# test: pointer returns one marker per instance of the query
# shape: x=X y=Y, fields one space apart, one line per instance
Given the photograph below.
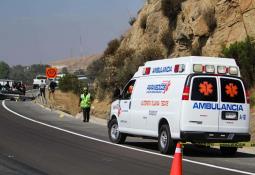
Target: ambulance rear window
x=204 y=89
x=232 y=91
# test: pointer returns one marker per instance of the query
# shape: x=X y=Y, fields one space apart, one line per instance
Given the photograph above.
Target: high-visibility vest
x=85 y=101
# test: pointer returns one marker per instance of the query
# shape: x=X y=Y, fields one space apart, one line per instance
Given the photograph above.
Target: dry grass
x=66 y=102
x=252 y=119
x=252 y=126
x=101 y=109
x=69 y=103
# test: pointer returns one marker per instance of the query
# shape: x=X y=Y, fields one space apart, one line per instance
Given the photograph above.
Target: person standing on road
x=52 y=88
x=42 y=88
x=85 y=103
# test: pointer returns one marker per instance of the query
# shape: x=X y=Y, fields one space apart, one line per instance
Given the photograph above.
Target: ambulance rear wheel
x=228 y=151
x=114 y=134
x=165 y=143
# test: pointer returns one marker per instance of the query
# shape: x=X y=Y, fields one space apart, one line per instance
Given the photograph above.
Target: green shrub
x=131 y=20
x=94 y=69
x=171 y=8
x=112 y=47
x=167 y=40
x=244 y=54
x=209 y=16
x=143 y=22
x=252 y=97
x=70 y=82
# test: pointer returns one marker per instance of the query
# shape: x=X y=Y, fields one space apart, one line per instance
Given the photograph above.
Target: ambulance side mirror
x=116 y=93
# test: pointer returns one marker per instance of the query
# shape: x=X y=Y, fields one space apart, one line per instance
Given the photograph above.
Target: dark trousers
x=42 y=92
x=86 y=116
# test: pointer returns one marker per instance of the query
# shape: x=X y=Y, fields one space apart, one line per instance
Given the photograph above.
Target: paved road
x=27 y=147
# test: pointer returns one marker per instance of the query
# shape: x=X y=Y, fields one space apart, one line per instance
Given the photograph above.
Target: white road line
x=123 y=146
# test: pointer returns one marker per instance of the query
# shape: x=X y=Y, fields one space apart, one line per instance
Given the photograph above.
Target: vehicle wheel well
x=112 y=118
x=162 y=122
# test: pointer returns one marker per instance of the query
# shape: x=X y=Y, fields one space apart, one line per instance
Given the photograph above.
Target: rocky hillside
x=191 y=27
x=171 y=28
x=74 y=64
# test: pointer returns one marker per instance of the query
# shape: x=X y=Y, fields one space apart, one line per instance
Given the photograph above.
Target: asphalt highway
x=55 y=144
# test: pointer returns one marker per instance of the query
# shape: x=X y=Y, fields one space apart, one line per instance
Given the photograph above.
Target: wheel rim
x=163 y=139
x=115 y=131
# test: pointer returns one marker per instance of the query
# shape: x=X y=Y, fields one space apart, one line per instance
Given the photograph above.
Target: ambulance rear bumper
x=192 y=136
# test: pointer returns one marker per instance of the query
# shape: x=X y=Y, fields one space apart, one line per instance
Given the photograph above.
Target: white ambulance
x=190 y=99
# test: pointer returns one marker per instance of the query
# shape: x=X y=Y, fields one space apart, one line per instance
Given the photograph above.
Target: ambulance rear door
x=234 y=116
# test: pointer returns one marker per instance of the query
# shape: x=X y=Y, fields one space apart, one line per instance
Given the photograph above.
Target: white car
x=189 y=99
x=39 y=79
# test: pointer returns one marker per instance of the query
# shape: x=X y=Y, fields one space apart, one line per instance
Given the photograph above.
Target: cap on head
x=85 y=89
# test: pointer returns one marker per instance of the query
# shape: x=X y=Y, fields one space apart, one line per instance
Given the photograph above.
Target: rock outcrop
x=195 y=27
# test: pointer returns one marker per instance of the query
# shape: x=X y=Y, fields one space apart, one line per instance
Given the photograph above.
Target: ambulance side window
x=127 y=92
x=204 y=89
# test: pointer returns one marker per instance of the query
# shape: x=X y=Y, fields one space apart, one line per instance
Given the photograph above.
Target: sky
x=40 y=31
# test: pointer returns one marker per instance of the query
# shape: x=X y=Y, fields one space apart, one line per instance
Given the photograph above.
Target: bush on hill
x=244 y=54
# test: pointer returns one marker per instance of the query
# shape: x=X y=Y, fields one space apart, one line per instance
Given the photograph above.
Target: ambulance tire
x=228 y=151
x=165 y=143
x=114 y=134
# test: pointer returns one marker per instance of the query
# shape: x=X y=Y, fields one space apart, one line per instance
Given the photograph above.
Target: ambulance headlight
x=233 y=70
x=198 y=68
x=222 y=69
x=209 y=69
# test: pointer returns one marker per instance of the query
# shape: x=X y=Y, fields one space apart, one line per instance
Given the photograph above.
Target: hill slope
x=191 y=27
x=73 y=64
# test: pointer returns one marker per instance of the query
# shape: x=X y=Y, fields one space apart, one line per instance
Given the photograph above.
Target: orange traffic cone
x=176 y=168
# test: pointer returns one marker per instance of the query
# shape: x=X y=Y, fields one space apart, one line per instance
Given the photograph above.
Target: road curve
x=38 y=149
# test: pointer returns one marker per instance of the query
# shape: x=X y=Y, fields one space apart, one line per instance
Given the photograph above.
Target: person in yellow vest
x=85 y=103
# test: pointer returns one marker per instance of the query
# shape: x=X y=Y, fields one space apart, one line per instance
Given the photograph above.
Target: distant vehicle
x=4 y=81
x=189 y=99
x=38 y=80
x=11 y=91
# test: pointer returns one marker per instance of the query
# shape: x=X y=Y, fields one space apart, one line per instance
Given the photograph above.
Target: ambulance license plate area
x=229 y=115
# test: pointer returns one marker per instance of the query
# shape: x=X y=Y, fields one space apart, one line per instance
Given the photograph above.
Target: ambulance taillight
x=185 y=94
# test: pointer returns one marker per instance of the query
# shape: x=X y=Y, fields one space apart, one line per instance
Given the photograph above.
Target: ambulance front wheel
x=228 y=151
x=114 y=134
x=165 y=143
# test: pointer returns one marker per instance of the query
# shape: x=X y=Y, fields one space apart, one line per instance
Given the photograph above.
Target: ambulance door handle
x=129 y=104
x=144 y=117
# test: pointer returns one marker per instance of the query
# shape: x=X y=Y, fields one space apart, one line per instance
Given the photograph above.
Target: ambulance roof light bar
x=222 y=70
x=233 y=70
x=146 y=70
x=179 y=68
x=197 y=68
x=209 y=69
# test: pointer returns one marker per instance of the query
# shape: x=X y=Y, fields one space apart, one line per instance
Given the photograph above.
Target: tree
x=70 y=82
x=4 y=70
x=65 y=70
x=244 y=54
